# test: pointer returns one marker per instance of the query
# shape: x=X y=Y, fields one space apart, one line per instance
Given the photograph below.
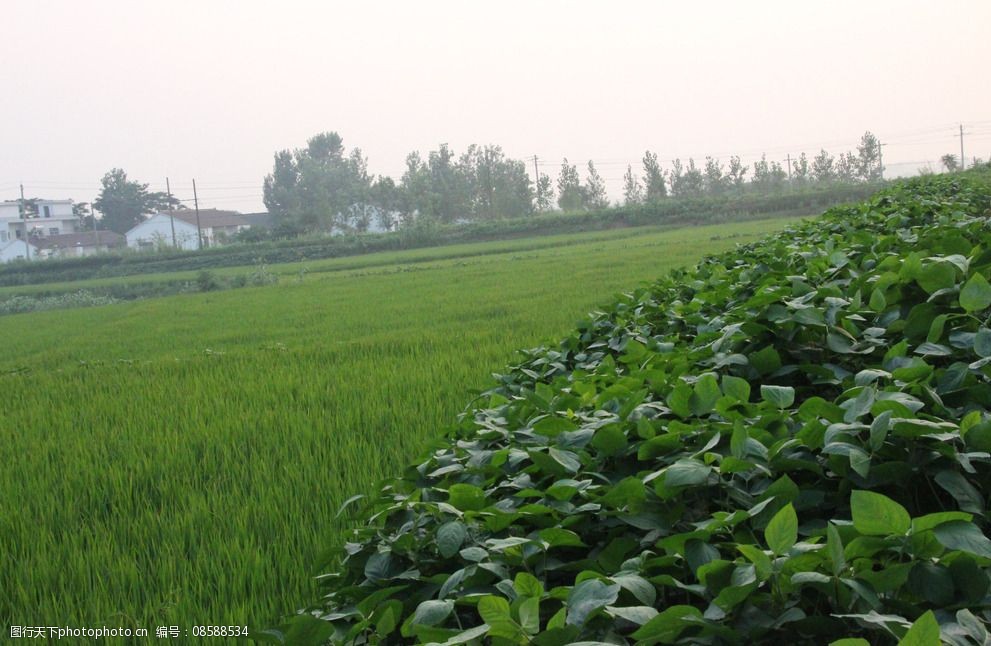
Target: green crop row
x=790 y=443
x=181 y=460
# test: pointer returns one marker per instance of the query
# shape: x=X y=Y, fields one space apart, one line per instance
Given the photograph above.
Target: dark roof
x=84 y=239
x=210 y=217
x=262 y=219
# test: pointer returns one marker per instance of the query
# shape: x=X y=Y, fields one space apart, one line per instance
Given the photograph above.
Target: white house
x=214 y=225
x=72 y=245
x=17 y=250
x=54 y=217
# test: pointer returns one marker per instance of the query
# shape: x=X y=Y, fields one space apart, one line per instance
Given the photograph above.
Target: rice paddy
x=181 y=460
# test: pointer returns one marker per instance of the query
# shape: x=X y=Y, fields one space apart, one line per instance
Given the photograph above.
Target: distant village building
x=216 y=227
x=17 y=250
x=74 y=245
x=54 y=217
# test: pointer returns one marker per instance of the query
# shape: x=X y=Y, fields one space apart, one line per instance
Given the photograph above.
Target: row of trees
x=326 y=187
x=690 y=180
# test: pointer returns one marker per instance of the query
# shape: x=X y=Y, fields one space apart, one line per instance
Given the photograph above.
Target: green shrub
x=207 y=281
x=788 y=444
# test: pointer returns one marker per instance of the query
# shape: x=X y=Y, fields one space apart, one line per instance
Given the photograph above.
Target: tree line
x=325 y=187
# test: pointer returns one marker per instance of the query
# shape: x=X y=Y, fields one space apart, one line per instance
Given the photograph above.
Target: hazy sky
x=210 y=89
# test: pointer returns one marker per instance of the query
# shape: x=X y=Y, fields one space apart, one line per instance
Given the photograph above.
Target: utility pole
x=963 y=162
x=536 y=172
x=789 y=170
x=168 y=191
x=199 y=229
x=24 y=219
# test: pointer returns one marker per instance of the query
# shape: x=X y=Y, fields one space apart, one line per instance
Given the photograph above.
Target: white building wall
x=17 y=250
x=156 y=232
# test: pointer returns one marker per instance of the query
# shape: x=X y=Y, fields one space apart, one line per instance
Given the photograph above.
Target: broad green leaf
x=388 y=616
x=877 y=301
x=450 y=537
x=879 y=430
x=834 y=547
x=566 y=459
x=966 y=495
x=765 y=361
x=964 y=536
x=704 y=395
x=629 y=492
x=587 y=597
x=527 y=585
x=930 y=521
x=557 y=537
x=924 y=632
x=975 y=295
x=553 y=425
x=495 y=612
x=761 y=561
x=875 y=514
x=610 y=439
x=936 y=276
x=668 y=624
x=433 y=612
x=466 y=497
x=686 y=472
x=679 y=400
x=639 y=615
x=737 y=388
x=982 y=342
x=778 y=396
x=781 y=533
x=638 y=586
x=529 y=612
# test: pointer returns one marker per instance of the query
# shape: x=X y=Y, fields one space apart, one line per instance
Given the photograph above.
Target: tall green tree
x=124 y=203
x=824 y=167
x=497 y=186
x=692 y=182
x=736 y=173
x=543 y=200
x=632 y=191
x=570 y=192
x=595 y=189
x=715 y=181
x=869 y=158
x=676 y=178
x=321 y=186
x=950 y=162
x=655 y=188
x=768 y=176
x=847 y=167
x=800 y=170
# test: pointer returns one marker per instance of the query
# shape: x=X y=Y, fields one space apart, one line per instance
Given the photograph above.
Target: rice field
x=181 y=460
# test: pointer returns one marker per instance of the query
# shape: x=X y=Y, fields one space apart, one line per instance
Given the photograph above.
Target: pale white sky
x=211 y=89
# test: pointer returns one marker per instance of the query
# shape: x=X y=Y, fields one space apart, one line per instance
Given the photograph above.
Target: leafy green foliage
x=633 y=473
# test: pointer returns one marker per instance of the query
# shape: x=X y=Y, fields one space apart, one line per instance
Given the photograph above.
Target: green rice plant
x=181 y=460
